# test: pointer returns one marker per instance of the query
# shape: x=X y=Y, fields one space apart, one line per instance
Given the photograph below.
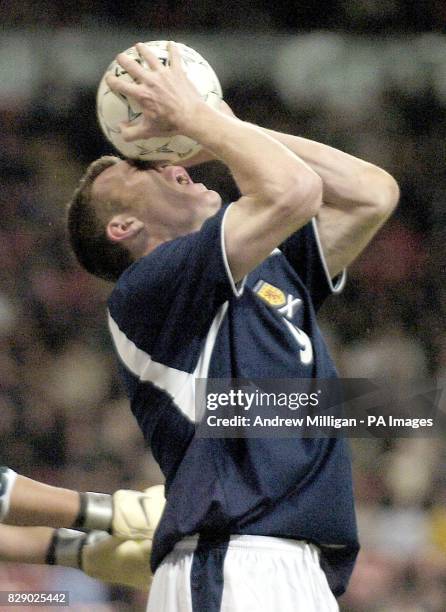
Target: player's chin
x=204 y=198
x=212 y=198
x=213 y=203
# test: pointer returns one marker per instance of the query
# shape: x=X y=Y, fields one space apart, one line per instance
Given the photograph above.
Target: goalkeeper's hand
x=136 y=515
x=102 y=556
x=125 y=514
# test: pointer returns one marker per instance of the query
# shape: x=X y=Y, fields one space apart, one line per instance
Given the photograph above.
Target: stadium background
x=367 y=77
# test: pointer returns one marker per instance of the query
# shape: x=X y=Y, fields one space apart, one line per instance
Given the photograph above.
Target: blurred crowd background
x=349 y=15
x=63 y=415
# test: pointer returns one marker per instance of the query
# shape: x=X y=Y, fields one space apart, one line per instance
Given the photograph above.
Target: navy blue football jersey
x=176 y=315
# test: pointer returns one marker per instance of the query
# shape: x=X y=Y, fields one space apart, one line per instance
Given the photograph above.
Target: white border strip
x=239 y=287
x=340 y=284
x=180 y=385
x=7 y=480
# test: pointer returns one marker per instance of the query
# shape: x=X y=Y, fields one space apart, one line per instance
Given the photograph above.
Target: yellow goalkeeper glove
x=124 y=556
x=136 y=515
x=104 y=557
x=125 y=514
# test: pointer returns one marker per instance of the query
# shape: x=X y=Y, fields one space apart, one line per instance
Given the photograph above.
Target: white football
x=113 y=108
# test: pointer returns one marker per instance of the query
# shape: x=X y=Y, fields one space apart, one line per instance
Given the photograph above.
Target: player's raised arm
x=357 y=196
x=280 y=193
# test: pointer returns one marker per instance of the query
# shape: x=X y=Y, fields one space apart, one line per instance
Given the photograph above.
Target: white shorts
x=250 y=574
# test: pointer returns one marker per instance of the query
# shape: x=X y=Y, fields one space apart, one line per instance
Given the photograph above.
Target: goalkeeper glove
x=136 y=515
x=125 y=514
x=102 y=556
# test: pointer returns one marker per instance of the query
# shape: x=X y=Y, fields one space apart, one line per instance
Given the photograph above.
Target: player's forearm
x=27 y=502
x=24 y=544
x=126 y=514
x=35 y=503
x=261 y=165
x=347 y=180
x=203 y=156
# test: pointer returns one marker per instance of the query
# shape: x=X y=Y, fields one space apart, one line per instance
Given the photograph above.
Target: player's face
x=162 y=196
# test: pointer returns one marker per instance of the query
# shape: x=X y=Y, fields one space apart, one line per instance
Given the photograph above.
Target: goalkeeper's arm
x=24 y=501
x=126 y=514
x=98 y=554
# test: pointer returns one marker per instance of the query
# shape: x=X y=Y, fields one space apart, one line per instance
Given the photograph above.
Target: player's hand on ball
x=167 y=97
x=137 y=514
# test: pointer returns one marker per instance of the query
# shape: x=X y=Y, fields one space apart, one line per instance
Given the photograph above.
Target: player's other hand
x=137 y=514
x=168 y=99
x=103 y=556
x=116 y=561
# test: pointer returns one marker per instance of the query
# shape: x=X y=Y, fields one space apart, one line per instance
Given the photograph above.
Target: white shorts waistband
x=255 y=542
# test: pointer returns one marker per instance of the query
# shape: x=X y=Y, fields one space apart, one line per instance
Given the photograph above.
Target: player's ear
x=123 y=227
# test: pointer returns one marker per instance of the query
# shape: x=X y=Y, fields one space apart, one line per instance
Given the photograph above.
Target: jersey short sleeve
x=304 y=251
x=165 y=302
